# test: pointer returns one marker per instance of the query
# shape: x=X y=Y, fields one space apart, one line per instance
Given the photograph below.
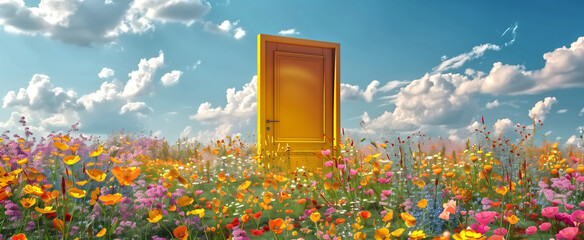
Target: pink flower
x=545 y=226
x=329 y=175
x=580 y=179
x=326 y=152
x=578 y=216
x=463 y=213
x=485 y=217
x=199 y=192
x=329 y=163
x=386 y=192
x=445 y=215
x=479 y=228
x=450 y=206
x=388 y=174
x=568 y=233
x=568 y=206
x=500 y=231
x=458 y=197
x=353 y=172
x=581 y=204
x=382 y=180
x=549 y=212
x=341 y=166
x=531 y=230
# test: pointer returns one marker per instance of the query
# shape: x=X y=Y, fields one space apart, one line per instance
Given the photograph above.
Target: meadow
x=133 y=186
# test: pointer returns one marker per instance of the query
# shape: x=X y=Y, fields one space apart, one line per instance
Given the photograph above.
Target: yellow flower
x=76 y=193
x=96 y=174
x=398 y=232
x=154 y=216
x=421 y=183
x=71 y=159
x=468 y=234
x=61 y=146
x=184 y=201
x=244 y=185
x=422 y=203
x=388 y=216
x=513 y=219
x=101 y=232
x=315 y=216
x=94 y=196
x=125 y=175
x=47 y=209
x=417 y=234
x=356 y=226
x=35 y=190
x=27 y=202
x=268 y=197
x=360 y=235
x=381 y=234
x=97 y=152
x=501 y=190
x=409 y=220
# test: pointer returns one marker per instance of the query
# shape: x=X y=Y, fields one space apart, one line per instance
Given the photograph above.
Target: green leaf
x=363 y=139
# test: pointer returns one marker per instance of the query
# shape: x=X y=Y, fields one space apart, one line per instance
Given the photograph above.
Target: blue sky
x=185 y=68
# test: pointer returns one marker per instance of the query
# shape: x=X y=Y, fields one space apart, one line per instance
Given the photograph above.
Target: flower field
x=132 y=186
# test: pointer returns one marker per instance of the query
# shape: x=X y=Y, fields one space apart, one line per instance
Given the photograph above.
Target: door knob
x=269 y=121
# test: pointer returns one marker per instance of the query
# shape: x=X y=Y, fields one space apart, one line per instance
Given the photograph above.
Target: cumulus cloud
x=186 y=132
x=290 y=31
x=492 y=104
x=49 y=108
x=503 y=127
x=573 y=140
x=542 y=108
x=171 y=78
x=430 y=100
x=226 y=27
x=459 y=60
x=140 y=82
x=564 y=68
x=106 y=73
x=581 y=112
x=353 y=92
x=241 y=107
x=75 y=21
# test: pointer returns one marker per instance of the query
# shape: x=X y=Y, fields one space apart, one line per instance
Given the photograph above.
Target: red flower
x=67 y=217
x=257 y=232
x=257 y=215
x=235 y=222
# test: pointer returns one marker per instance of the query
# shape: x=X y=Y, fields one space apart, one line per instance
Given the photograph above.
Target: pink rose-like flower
x=568 y=233
x=581 y=204
x=568 y=206
x=545 y=226
x=580 y=179
x=383 y=180
x=341 y=166
x=329 y=163
x=531 y=230
x=485 y=217
x=578 y=216
x=388 y=174
x=549 y=212
x=326 y=152
x=500 y=231
x=386 y=192
x=480 y=228
x=353 y=172
x=199 y=192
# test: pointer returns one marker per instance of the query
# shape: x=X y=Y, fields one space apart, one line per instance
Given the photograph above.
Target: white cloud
x=513 y=34
x=573 y=140
x=459 y=60
x=290 y=31
x=186 y=132
x=461 y=134
x=106 y=73
x=353 y=92
x=171 y=78
x=562 y=69
x=581 y=112
x=503 y=127
x=135 y=107
x=50 y=108
x=562 y=111
x=542 y=108
x=431 y=100
x=140 y=82
x=226 y=27
x=75 y=21
x=492 y=104
x=195 y=66
x=241 y=107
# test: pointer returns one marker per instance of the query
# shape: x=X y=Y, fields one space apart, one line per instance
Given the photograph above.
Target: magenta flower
x=383 y=180
x=326 y=152
x=500 y=231
x=329 y=163
x=329 y=175
x=199 y=192
x=566 y=218
x=386 y=192
x=568 y=233
x=485 y=217
x=578 y=216
x=549 y=212
x=531 y=230
x=341 y=166
x=545 y=226
x=353 y=172
x=482 y=229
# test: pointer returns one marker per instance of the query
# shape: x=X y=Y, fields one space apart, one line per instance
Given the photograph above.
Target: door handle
x=269 y=121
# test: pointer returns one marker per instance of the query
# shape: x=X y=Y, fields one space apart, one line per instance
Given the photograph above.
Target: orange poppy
x=111 y=199
x=21 y=236
x=101 y=232
x=277 y=225
x=96 y=174
x=181 y=232
x=365 y=214
x=125 y=175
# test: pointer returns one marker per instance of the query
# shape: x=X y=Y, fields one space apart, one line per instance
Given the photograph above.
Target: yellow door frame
x=261 y=89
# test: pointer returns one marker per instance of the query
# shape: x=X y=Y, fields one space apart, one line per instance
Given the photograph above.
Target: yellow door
x=298 y=101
